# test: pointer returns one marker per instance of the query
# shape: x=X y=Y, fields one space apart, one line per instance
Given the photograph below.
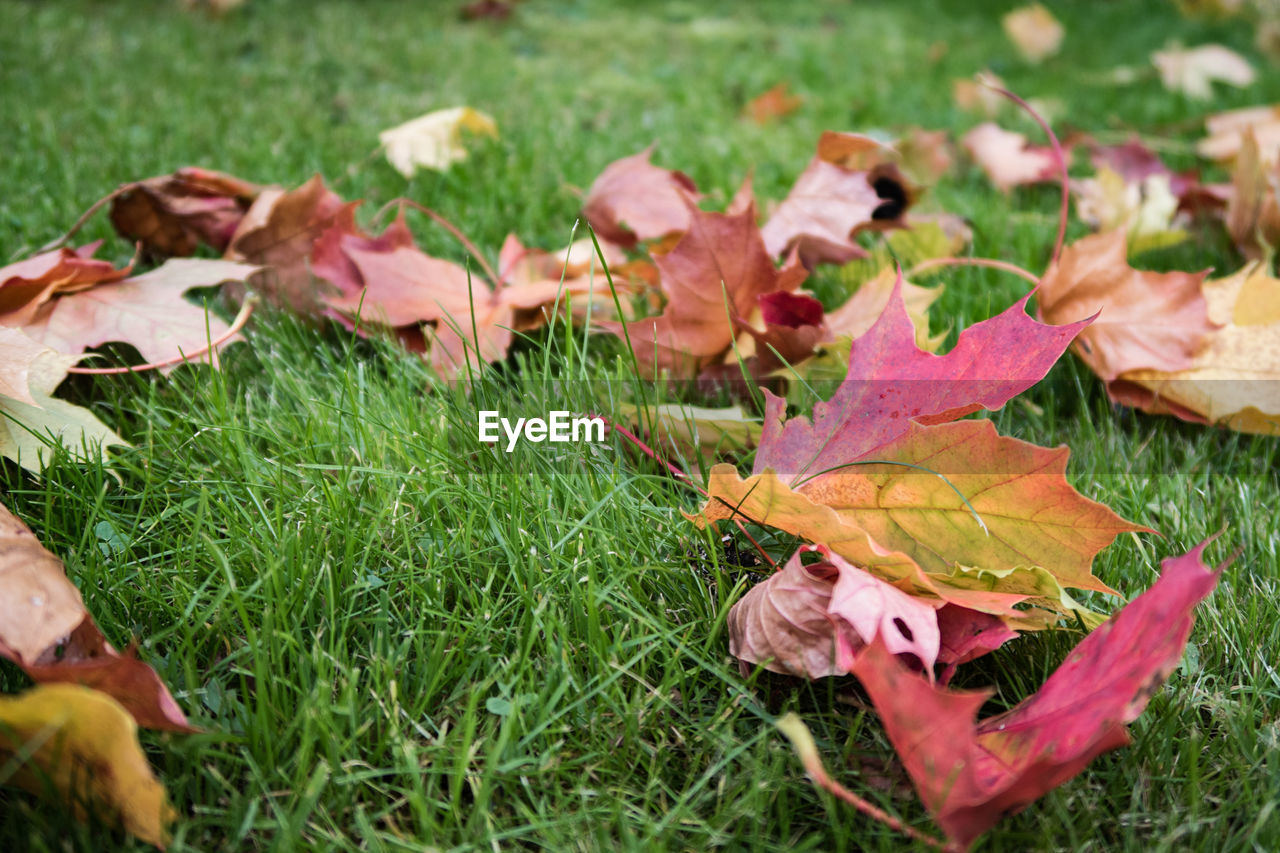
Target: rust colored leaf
x=833 y=200
x=173 y=214
x=27 y=285
x=772 y=105
x=45 y=629
x=277 y=233
x=1145 y=320
x=720 y=257
x=969 y=774
x=633 y=200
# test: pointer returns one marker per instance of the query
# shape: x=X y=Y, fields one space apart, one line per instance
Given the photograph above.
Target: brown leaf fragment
x=27 y=285
x=772 y=105
x=1192 y=71
x=1034 y=32
x=633 y=200
x=173 y=214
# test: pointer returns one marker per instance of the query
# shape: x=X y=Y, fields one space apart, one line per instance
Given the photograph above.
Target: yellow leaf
x=85 y=745
x=434 y=141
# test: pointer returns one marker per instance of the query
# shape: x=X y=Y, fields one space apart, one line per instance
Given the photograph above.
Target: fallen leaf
x=1227 y=129
x=1234 y=377
x=1253 y=210
x=694 y=431
x=832 y=201
x=1034 y=32
x=1145 y=320
x=969 y=774
x=977 y=94
x=147 y=311
x=278 y=233
x=171 y=215
x=492 y=10
x=890 y=381
x=85 y=745
x=27 y=285
x=1192 y=71
x=31 y=419
x=537 y=279
x=926 y=155
x=1145 y=209
x=435 y=140
x=45 y=629
x=772 y=105
x=720 y=257
x=1007 y=159
x=634 y=200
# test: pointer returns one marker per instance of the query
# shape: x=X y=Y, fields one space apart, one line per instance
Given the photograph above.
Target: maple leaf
x=1227 y=130
x=634 y=200
x=31 y=419
x=434 y=141
x=147 y=311
x=720 y=256
x=1144 y=319
x=1234 y=376
x=772 y=105
x=45 y=629
x=277 y=233
x=1034 y=32
x=848 y=186
x=84 y=745
x=27 y=285
x=969 y=774
x=535 y=279
x=173 y=214
x=1145 y=208
x=1253 y=209
x=1193 y=71
x=1007 y=159
x=890 y=381
x=694 y=431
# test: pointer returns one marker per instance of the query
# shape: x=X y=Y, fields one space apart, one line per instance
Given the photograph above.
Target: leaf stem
x=933 y=263
x=85 y=217
x=460 y=237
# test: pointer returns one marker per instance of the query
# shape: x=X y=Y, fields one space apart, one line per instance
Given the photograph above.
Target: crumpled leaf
x=85 y=745
x=720 y=256
x=634 y=200
x=1234 y=377
x=147 y=311
x=969 y=774
x=850 y=185
x=813 y=620
x=1147 y=320
x=277 y=233
x=32 y=420
x=1007 y=158
x=28 y=285
x=173 y=214
x=1034 y=32
x=45 y=629
x=772 y=105
x=890 y=381
x=435 y=140
x=1192 y=71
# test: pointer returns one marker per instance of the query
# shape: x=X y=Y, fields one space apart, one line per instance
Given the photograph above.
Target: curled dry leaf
x=277 y=233
x=1007 y=159
x=1034 y=32
x=84 y=745
x=45 y=629
x=31 y=419
x=849 y=186
x=1144 y=320
x=171 y=215
x=1193 y=71
x=633 y=200
x=435 y=140
x=969 y=774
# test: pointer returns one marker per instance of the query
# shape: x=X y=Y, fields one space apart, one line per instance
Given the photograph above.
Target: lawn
x=395 y=639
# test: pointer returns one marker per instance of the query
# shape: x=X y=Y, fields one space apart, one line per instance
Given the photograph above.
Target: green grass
x=397 y=639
